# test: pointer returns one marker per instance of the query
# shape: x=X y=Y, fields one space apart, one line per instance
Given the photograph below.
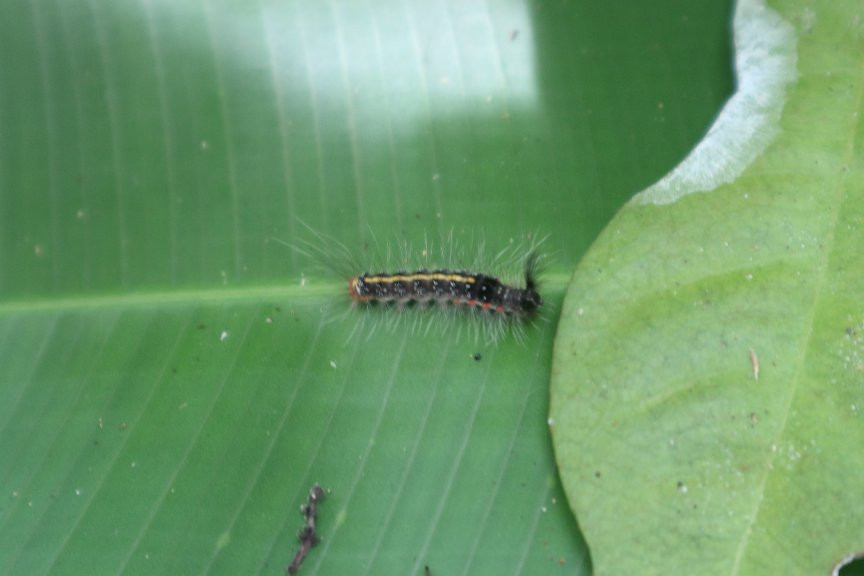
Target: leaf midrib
x=295 y=290
x=159 y=298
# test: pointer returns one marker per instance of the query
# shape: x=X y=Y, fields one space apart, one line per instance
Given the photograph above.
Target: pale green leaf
x=708 y=381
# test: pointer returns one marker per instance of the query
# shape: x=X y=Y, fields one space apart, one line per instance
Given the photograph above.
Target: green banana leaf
x=174 y=379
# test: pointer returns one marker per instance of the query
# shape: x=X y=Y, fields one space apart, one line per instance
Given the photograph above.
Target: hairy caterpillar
x=434 y=292
x=447 y=287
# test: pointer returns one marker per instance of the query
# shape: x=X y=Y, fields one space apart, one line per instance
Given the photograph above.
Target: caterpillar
x=446 y=287
x=495 y=307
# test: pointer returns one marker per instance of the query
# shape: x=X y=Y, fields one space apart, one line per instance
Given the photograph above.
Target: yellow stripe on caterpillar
x=421 y=276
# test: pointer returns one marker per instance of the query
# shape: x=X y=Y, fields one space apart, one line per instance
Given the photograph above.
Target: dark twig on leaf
x=306 y=536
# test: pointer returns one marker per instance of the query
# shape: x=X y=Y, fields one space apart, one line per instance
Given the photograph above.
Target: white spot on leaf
x=765 y=62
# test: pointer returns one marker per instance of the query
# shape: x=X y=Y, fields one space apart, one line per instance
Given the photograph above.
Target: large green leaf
x=170 y=385
x=709 y=373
